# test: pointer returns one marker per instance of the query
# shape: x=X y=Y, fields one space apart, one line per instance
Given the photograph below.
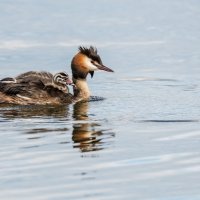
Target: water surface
x=142 y=142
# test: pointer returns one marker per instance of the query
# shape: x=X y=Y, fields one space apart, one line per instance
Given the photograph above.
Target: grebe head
x=62 y=78
x=87 y=61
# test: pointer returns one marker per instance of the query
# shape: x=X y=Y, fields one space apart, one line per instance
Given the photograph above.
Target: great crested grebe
x=44 y=88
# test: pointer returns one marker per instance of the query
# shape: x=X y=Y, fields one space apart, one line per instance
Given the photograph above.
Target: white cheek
x=90 y=65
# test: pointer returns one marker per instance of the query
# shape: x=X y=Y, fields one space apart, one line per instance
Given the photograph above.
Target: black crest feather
x=91 y=52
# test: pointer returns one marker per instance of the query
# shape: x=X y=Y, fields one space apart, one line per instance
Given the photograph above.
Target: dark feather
x=56 y=93
x=8 y=79
x=13 y=89
x=78 y=74
x=91 y=52
x=24 y=87
x=42 y=74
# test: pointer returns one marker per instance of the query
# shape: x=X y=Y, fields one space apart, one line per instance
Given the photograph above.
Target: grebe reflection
x=87 y=135
x=85 y=132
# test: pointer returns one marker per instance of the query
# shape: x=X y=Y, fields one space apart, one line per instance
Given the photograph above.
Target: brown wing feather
x=37 y=86
x=30 y=76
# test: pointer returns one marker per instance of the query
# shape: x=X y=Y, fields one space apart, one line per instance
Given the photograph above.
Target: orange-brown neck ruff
x=79 y=68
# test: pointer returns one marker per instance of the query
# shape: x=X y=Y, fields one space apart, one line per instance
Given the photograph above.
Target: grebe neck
x=81 y=91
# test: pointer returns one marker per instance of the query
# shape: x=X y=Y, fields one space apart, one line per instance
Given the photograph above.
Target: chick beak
x=70 y=82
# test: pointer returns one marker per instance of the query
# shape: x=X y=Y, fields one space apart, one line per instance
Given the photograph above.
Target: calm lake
x=143 y=141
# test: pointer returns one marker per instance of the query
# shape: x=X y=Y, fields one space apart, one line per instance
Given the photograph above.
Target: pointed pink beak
x=104 y=68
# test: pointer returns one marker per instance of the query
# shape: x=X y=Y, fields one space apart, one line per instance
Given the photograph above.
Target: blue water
x=142 y=142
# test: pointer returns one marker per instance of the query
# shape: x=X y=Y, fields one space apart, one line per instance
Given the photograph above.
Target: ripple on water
x=169 y=121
